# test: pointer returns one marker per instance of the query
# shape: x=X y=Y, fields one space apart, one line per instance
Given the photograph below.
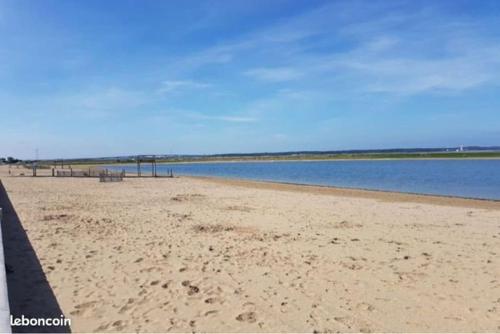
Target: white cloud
x=275 y=74
x=89 y=103
x=95 y=103
x=224 y=118
x=389 y=72
x=176 y=85
x=403 y=53
x=218 y=55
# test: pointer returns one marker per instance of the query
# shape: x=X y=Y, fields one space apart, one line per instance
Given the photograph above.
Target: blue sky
x=101 y=78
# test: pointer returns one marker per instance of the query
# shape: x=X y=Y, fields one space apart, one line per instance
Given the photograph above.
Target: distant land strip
x=438 y=153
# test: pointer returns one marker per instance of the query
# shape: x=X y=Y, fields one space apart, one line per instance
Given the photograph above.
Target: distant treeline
x=380 y=151
x=9 y=160
x=338 y=156
x=413 y=153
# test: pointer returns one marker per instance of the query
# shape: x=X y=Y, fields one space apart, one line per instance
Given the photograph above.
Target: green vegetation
x=85 y=163
x=345 y=156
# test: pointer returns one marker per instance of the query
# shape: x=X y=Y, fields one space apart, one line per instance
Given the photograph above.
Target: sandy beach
x=197 y=254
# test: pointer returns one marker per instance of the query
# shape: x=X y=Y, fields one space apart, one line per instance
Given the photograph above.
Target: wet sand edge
x=385 y=196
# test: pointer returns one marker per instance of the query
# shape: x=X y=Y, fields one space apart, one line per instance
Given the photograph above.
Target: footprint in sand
x=250 y=317
x=129 y=305
x=346 y=321
x=192 y=289
x=365 y=307
x=211 y=312
x=84 y=309
x=118 y=325
x=211 y=300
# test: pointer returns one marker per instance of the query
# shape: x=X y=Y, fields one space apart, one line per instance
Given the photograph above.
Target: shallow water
x=463 y=178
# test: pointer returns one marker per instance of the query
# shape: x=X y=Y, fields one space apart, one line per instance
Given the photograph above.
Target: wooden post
x=52 y=172
x=153 y=166
x=70 y=171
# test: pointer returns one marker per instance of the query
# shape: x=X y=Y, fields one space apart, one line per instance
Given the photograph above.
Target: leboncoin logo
x=40 y=322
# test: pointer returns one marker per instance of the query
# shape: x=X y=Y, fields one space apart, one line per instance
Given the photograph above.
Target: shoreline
x=100 y=165
x=387 y=195
x=383 y=195
x=291 y=160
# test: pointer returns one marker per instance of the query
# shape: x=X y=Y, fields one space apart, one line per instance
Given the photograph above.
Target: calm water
x=465 y=178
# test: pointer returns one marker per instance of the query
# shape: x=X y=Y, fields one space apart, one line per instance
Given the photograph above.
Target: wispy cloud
x=274 y=74
x=97 y=103
x=89 y=104
x=176 y=85
x=224 y=118
x=386 y=70
x=450 y=54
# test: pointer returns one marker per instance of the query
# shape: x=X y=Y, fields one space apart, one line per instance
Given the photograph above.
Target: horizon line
x=343 y=151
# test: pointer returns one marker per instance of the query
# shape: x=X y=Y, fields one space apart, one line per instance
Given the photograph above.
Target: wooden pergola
x=147 y=159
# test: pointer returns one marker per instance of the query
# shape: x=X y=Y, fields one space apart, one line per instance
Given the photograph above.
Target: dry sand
x=194 y=254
